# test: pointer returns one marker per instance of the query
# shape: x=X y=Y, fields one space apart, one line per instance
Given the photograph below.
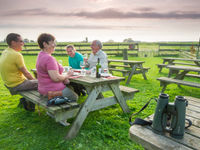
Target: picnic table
x=94 y=101
x=180 y=73
x=94 y=87
x=150 y=140
x=181 y=61
x=128 y=68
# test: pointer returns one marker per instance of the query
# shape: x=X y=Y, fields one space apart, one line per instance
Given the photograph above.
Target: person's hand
x=70 y=73
x=85 y=60
x=66 y=81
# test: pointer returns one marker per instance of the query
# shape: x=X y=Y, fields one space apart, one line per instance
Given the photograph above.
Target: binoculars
x=170 y=117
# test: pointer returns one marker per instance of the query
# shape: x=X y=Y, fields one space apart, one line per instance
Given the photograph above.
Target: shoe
x=83 y=92
x=52 y=94
x=29 y=106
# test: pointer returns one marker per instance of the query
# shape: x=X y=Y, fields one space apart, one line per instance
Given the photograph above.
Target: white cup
x=93 y=72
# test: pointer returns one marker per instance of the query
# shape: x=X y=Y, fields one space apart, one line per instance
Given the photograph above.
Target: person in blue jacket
x=74 y=61
x=74 y=57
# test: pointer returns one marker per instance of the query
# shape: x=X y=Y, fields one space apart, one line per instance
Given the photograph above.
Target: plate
x=106 y=74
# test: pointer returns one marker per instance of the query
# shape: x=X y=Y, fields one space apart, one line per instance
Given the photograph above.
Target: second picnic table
x=171 y=61
x=130 y=68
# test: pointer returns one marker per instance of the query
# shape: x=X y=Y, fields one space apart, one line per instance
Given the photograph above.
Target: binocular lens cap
x=180 y=98
x=163 y=95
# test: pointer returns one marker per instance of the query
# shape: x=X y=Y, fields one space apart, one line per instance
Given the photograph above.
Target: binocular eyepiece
x=170 y=117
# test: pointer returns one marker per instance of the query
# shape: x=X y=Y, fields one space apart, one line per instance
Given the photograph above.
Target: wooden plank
x=195 y=121
x=83 y=112
x=193 y=75
x=64 y=115
x=126 y=66
x=126 y=89
x=171 y=50
x=181 y=63
x=120 y=98
x=153 y=141
x=120 y=70
x=186 y=68
x=189 y=98
x=176 y=81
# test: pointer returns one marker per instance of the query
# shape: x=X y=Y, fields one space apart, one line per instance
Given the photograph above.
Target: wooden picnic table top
x=90 y=81
x=185 y=68
x=150 y=140
x=126 y=61
x=184 y=59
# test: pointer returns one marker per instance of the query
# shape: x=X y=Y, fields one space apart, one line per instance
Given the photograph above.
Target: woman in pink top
x=51 y=82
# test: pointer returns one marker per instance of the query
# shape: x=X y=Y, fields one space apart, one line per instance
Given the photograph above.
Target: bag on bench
x=58 y=100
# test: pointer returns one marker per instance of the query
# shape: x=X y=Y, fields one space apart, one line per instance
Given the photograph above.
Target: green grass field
x=103 y=129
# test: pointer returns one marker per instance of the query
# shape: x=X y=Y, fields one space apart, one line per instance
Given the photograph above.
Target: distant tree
x=128 y=40
x=32 y=41
x=26 y=40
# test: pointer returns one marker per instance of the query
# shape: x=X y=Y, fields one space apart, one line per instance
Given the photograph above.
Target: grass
x=102 y=129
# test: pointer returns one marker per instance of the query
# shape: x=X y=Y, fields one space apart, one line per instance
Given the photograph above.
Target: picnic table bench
x=94 y=87
x=180 y=73
x=152 y=141
x=173 y=61
x=128 y=68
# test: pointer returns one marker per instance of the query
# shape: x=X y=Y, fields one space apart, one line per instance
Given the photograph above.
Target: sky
x=74 y=20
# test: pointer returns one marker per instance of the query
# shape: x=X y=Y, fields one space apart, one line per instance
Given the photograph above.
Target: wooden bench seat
x=60 y=113
x=164 y=81
x=181 y=63
x=174 y=63
x=193 y=75
x=127 y=91
x=68 y=110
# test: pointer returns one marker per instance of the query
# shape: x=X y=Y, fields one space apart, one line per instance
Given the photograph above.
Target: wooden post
x=197 y=56
x=125 y=55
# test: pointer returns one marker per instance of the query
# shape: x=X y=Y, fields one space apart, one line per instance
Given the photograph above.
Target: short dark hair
x=70 y=46
x=12 y=37
x=45 y=37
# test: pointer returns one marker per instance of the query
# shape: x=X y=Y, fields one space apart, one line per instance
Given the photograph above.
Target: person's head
x=96 y=46
x=15 y=41
x=70 y=50
x=46 y=42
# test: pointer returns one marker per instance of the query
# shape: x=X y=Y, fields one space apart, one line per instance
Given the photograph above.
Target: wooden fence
x=117 y=49
x=183 y=50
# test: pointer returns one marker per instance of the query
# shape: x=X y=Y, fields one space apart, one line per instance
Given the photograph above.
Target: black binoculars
x=170 y=117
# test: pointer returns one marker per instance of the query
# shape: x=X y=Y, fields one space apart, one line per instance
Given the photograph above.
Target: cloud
x=27 y=26
x=108 y=13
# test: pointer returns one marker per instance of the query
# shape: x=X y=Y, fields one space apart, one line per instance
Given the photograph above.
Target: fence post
x=125 y=55
x=197 y=55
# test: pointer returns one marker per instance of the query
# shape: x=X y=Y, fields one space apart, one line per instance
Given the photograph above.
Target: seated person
x=74 y=57
x=51 y=82
x=13 y=71
x=97 y=53
x=74 y=61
